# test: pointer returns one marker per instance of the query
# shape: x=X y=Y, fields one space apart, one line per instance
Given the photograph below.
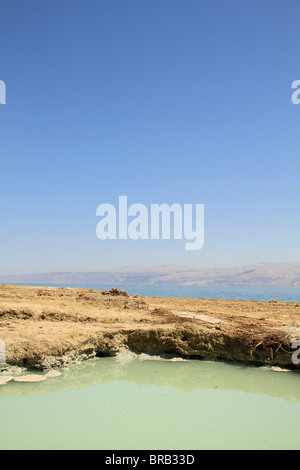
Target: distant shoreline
x=256 y=275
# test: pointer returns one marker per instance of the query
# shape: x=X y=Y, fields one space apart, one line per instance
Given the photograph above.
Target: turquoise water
x=138 y=402
x=282 y=294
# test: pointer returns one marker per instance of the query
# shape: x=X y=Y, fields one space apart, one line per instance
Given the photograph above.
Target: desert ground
x=49 y=327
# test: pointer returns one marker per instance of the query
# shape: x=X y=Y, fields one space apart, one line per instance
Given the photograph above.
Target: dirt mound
x=57 y=317
x=13 y=314
x=115 y=291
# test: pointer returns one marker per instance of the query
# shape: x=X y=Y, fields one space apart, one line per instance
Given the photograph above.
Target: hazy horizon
x=149 y=266
x=260 y=274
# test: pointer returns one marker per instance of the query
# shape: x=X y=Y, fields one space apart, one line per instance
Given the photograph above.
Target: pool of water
x=140 y=402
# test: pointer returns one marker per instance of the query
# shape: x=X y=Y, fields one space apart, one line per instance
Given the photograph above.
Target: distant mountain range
x=260 y=274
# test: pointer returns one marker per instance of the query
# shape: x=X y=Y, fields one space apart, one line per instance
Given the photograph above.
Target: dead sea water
x=263 y=293
x=143 y=402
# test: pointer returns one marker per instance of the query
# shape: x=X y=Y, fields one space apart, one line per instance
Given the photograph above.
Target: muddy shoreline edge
x=46 y=328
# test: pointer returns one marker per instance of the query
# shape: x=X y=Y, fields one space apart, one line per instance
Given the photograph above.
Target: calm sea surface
x=282 y=294
x=143 y=402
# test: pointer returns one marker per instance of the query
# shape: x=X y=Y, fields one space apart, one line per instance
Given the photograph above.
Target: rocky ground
x=47 y=327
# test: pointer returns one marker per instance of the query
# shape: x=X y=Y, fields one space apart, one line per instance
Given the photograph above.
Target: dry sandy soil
x=45 y=327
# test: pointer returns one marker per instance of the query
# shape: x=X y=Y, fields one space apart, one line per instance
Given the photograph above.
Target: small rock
x=30 y=378
x=5 y=379
x=48 y=362
x=6 y=369
x=53 y=373
x=279 y=369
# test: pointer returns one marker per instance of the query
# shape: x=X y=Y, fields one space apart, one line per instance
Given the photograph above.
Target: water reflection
x=186 y=375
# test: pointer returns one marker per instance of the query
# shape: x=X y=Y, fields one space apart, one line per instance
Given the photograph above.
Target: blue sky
x=169 y=101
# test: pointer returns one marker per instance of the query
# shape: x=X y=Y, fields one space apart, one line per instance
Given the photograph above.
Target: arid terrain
x=47 y=327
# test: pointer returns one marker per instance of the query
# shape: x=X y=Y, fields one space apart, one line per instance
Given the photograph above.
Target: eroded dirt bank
x=45 y=327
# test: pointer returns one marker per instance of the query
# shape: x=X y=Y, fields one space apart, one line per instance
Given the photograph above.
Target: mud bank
x=48 y=327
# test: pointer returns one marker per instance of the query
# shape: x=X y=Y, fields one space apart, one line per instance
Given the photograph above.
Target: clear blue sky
x=185 y=101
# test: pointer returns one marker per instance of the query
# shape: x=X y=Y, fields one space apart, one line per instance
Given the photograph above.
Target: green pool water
x=137 y=402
